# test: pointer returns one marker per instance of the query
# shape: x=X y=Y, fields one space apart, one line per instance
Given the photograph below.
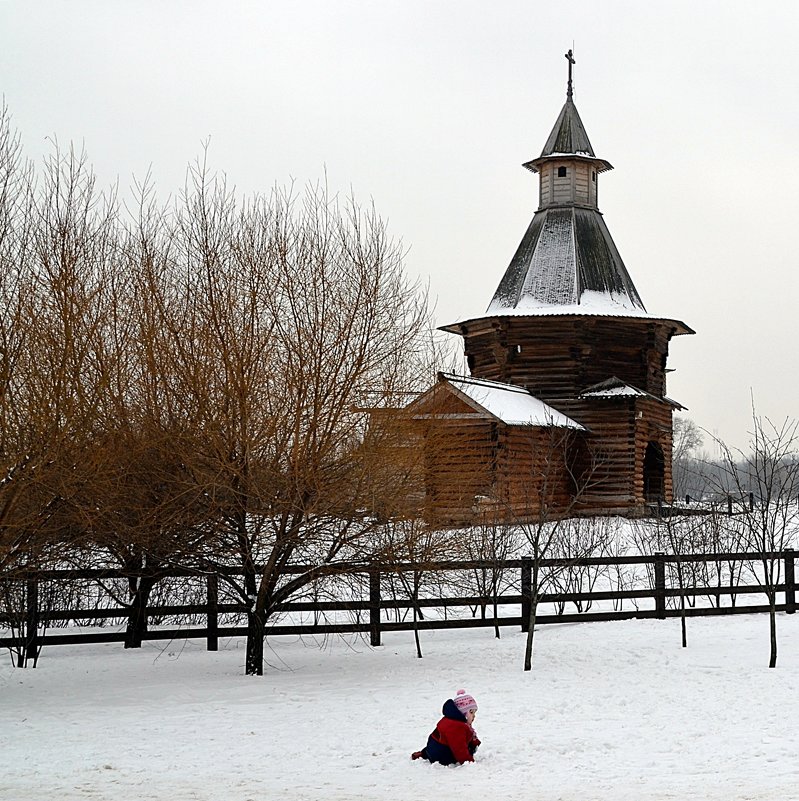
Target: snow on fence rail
x=366 y=615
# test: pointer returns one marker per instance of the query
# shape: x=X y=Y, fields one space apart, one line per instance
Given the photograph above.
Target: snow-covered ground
x=611 y=712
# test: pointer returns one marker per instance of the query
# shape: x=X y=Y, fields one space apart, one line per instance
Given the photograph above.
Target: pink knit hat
x=465 y=702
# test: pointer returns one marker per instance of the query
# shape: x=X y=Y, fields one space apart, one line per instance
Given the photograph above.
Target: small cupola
x=567 y=165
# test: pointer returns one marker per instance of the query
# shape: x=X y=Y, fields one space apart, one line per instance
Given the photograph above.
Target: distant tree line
x=734 y=473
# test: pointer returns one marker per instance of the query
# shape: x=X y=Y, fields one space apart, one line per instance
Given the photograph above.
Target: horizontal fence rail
x=367 y=614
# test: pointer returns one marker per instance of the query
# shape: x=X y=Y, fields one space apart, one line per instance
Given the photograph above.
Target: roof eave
x=678 y=327
x=601 y=165
x=597 y=392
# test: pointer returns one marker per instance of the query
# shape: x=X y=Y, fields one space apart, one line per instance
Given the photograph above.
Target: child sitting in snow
x=453 y=739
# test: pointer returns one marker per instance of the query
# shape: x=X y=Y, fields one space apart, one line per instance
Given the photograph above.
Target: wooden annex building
x=566 y=407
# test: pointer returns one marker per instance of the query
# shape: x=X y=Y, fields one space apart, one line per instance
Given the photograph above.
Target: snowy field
x=611 y=712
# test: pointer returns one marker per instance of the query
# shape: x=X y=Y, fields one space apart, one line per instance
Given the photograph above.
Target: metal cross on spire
x=570 y=59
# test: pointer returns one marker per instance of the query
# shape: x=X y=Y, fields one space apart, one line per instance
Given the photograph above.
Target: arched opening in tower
x=654 y=472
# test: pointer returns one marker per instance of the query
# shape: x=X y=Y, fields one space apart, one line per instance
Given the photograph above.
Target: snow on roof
x=616 y=388
x=511 y=404
x=615 y=392
x=566 y=258
x=583 y=153
x=593 y=304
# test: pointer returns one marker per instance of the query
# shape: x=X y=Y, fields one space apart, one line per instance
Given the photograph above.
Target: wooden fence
x=367 y=614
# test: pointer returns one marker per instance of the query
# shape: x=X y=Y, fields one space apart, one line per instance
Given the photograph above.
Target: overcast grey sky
x=429 y=107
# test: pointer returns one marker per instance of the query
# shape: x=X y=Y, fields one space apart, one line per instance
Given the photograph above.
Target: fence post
x=527 y=590
x=31 y=620
x=374 y=604
x=790 y=585
x=212 y=624
x=660 y=585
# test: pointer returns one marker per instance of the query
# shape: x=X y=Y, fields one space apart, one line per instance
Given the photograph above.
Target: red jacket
x=453 y=739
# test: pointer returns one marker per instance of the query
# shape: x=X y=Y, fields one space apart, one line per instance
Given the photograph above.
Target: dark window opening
x=561 y=172
x=593 y=176
x=654 y=472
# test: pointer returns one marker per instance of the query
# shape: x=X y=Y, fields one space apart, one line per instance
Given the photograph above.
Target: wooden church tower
x=567 y=324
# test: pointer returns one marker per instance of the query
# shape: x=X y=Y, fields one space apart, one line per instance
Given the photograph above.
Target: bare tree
x=187 y=388
x=63 y=252
x=770 y=471
x=57 y=254
x=492 y=544
x=594 y=536
x=295 y=313
x=412 y=541
x=686 y=442
x=552 y=487
x=715 y=534
x=677 y=537
x=16 y=220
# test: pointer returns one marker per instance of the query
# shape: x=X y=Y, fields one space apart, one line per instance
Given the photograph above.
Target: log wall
x=621 y=429
x=476 y=465
x=460 y=459
x=531 y=471
x=558 y=357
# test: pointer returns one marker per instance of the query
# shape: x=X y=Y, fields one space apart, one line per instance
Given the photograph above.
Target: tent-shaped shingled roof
x=568 y=135
x=566 y=254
